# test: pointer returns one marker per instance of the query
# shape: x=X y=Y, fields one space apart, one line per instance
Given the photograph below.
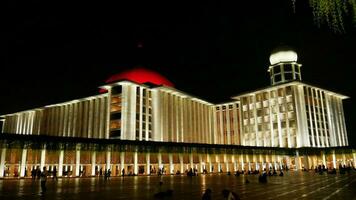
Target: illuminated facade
x=141 y=123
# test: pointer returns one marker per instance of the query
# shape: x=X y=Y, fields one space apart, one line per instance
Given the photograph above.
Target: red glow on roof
x=141 y=76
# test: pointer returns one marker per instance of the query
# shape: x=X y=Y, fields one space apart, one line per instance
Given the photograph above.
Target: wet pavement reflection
x=294 y=185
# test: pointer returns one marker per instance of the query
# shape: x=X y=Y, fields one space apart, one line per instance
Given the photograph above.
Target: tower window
x=277 y=69
x=288 y=76
x=288 y=68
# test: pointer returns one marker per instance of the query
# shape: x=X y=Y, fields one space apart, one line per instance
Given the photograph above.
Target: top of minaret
x=283 y=54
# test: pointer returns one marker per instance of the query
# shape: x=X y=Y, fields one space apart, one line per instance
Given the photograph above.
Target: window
x=277 y=78
x=115 y=108
x=277 y=69
x=115 y=124
x=115 y=115
x=116 y=90
x=288 y=76
x=137 y=134
x=115 y=99
x=115 y=133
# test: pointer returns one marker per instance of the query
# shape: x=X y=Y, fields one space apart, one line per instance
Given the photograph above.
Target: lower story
x=22 y=156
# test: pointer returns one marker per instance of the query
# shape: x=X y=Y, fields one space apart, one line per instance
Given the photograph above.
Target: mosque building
x=139 y=123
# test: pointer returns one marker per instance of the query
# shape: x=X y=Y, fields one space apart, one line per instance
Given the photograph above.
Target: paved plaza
x=294 y=185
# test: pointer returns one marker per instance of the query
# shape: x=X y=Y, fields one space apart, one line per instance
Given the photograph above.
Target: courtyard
x=293 y=185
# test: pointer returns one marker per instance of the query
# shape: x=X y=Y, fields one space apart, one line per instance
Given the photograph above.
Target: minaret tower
x=284 y=66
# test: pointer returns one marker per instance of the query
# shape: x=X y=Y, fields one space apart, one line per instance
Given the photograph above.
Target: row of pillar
x=277 y=164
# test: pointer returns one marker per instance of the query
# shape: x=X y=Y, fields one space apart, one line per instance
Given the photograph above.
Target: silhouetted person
x=263 y=178
x=274 y=173
x=33 y=174
x=281 y=173
x=207 y=194
x=101 y=172
x=38 y=173
x=106 y=174
x=43 y=180
x=123 y=172
x=54 y=173
x=109 y=173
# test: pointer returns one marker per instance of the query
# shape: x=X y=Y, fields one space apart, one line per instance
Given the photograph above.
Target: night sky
x=53 y=52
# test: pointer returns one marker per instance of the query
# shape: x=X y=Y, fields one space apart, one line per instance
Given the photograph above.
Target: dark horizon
x=53 y=53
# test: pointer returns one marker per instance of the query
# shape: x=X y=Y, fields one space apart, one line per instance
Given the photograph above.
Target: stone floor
x=302 y=185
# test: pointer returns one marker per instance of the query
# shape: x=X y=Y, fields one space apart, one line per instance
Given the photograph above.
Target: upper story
x=142 y=105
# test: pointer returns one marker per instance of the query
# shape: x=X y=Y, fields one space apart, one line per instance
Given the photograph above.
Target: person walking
x=43 y=179
x=109 y=173
x=54 y=173
x=33 y=174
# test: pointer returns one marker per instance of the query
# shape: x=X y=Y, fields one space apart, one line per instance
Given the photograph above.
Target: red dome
x=140 y=75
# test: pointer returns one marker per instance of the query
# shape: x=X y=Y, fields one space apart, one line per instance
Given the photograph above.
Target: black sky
x=53 y=52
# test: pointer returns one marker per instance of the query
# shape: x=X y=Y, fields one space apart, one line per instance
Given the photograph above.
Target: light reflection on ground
x=302 y=185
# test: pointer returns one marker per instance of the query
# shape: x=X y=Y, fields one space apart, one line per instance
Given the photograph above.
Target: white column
x=279 y=161
x=93 y=163
x=135 y=158
x=23 y=162
x=254 y=159
x=343 y=159
x=218 y=162
x=43 y=158
x=60 y=163
x=108 y=159
x=226 y=161
x=148 y=164
x=208 y=159
x=191 y=160
x=334 y=159
x=242 y=163
x=234 y=162
x=297 y=164
x=122 y=161
x=181 y=163
x=354 y=158
x=201 y=164
x=171 y=165
x=77 y=160
x=287 y=162
x=159 y=158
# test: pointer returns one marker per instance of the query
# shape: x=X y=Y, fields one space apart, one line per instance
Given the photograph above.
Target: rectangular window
x=115 y=133
x=115 y=115
x=288 y=76
x=287 y=67
x=115 y=124
x=116 y=90
x=276 y=69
